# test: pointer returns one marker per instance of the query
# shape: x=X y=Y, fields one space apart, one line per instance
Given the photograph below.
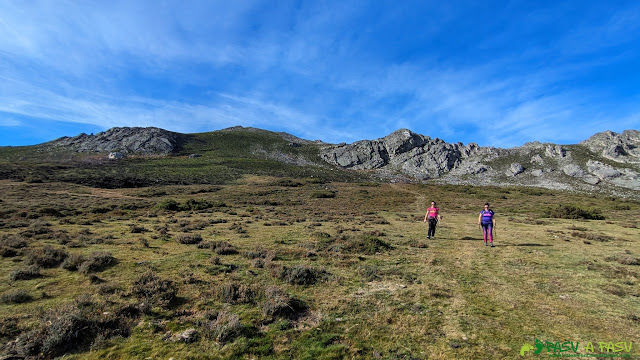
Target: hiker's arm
x=425 y=216
x=479 y=219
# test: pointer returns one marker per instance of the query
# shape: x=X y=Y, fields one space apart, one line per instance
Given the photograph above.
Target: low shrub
x=225 y=328
x=68 y=328
x=46 y=256
x=234 y=293
x=301 y=275
x=135 y=229
x=96 y=262
x=17 y=296
x=13 y=241
x=323 y=194
x=154 y=290
x=624 y=259
x=73 y=262
x=31 y=272
x=260 y=253
x=189 y=239
x=219 y=247
x=279 y=304
x=573 y=212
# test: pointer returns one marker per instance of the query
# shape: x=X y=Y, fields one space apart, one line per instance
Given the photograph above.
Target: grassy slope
x=550 y=279
x=226 y=156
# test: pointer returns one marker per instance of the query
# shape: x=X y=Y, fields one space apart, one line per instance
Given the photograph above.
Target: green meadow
x=261 y=267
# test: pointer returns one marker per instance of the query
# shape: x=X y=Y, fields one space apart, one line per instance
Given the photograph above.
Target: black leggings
x=432 y=227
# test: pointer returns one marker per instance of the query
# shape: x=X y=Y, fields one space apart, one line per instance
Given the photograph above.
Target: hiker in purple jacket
x=487 y=220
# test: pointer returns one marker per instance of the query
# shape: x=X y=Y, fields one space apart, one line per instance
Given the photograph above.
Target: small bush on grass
x=225 y=328
x=591 y=236
x=624 y=259
x=17 y=296
x=137 y=229
x=260 y=253
x=46 y=256
x=154 y=290
x=73 y=262
x=234 y=293
x=573 y=212
x=323 y=194
x=219 y=247
x=97 y=261
x=8 y=252
x=280 y=304
x=31 y=272
x=13 y=241
x=189 y=239
x=301 y=275
x=69 y=328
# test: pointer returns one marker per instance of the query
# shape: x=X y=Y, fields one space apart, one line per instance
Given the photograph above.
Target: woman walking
x=487 y=220
x=432 y=215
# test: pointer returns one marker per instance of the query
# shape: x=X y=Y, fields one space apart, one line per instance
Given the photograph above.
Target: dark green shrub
x=573 y=212
x=323 y=194
x=168 y=204
x=8 y=252
x=135 y=229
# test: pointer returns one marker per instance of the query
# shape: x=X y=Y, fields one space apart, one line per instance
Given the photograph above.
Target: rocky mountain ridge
x=606 y=162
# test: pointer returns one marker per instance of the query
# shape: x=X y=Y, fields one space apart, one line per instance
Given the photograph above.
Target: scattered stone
x=189 y=336
x=192 y=156
x=537 y=173
x=116 y=155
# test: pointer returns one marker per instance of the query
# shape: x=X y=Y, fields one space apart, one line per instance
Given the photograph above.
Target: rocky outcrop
x=127 y=140
x=624 y=147
x=414 y=156
x=411 y=154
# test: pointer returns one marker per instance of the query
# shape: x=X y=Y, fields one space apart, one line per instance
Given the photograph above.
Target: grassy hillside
x=281 y=268
x=225 y=156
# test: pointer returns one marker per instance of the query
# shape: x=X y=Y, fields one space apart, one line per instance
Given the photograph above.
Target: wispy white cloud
x=312 y=69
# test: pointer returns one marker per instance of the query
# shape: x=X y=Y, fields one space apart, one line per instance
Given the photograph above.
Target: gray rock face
x=514 y=169
x=126 y=140
x=537 y=159
x=602 y=171
x=411 y=154
x=555 y=151
x=406 y=155
x=624 y=147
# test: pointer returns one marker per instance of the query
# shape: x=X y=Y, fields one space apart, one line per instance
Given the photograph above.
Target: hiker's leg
x=484 y=232
x=434 y=223
x=490 y=231
x=431 y=231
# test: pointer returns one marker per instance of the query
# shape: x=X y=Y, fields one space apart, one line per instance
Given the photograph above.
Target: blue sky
x=497 y=73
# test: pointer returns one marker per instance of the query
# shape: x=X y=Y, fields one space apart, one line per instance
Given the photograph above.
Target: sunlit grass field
x=282 y=268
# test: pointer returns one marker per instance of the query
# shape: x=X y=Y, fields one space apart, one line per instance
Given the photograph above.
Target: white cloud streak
x=304 y=72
